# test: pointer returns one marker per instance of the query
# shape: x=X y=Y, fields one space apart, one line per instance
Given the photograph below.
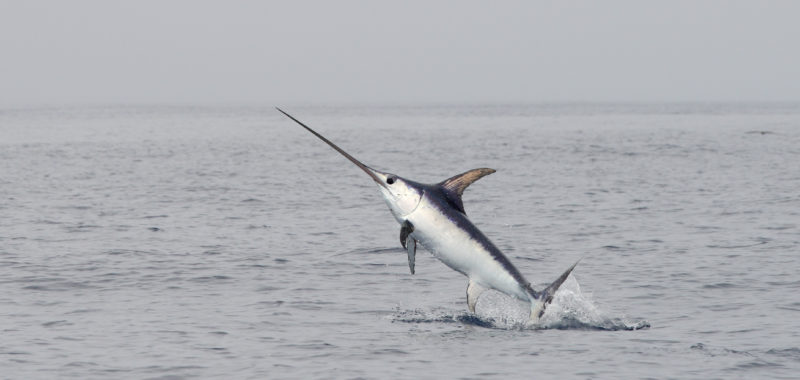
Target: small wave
x=372 y=250
x=720 y=285
x=789 y=353
x=59 y=286
x=211 y=278
x=419 y=316
x=120 y=251
x=570 y=310
x=607 y=324
x=256 y=227
x=794 y=306
x=56 y=323
x=566 y=323
x=81 y=228
x=321 y=233
x=718 y=351
x=46 y=221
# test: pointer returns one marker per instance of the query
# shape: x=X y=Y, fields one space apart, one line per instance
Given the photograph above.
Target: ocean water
x=171 y=242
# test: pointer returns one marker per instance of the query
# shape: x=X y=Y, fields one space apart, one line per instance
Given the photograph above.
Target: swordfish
x=434 y=216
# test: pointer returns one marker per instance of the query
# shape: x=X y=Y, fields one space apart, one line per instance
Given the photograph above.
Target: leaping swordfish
x=434 y=216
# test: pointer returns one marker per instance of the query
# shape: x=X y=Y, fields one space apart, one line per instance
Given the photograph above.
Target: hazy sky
x=286 y=52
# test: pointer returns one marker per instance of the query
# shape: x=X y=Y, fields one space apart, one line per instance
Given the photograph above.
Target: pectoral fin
x=409 y=243
x=411 y=247
x=405 y=230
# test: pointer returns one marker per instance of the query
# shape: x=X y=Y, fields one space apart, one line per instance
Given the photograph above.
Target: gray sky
x=286 y=52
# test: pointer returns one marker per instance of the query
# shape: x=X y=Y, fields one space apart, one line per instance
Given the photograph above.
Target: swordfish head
x=402 y=196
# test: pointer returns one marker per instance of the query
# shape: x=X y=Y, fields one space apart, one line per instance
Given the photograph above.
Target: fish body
x=433 y=215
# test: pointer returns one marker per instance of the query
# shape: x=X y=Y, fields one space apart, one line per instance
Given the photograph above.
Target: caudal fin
x=546 y=296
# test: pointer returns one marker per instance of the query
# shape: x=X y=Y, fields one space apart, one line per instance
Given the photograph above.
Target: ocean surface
x=170 y=242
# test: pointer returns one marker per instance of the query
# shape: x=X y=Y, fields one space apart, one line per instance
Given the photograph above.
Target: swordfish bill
x=433 y=215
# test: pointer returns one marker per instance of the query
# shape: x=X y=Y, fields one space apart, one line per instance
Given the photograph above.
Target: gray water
x=227 y=242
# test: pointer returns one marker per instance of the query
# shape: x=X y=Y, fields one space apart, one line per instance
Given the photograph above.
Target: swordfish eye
x=391 y=180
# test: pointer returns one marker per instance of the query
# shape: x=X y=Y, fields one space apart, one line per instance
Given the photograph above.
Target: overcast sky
x=287 y=52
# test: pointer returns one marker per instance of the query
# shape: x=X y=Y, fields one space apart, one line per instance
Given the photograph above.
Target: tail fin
x=546 y=296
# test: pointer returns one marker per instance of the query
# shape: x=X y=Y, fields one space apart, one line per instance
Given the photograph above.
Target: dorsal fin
x=455 y=185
